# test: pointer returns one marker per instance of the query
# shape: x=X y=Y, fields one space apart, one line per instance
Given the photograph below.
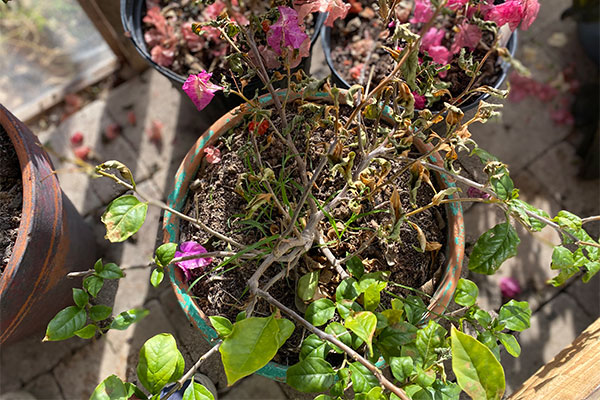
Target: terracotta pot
x=53 y=240
x=177 y=198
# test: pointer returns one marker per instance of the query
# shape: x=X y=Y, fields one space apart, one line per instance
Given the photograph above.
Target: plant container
x=52 y=241
x=186 y=173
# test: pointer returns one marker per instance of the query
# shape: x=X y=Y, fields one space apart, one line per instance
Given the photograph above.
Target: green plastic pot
x=186 y=174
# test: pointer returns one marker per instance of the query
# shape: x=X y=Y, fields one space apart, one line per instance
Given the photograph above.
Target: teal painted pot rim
x=186 y=173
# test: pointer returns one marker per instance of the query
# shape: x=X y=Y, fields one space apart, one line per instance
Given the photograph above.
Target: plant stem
x=192 y=371
x=334 y=340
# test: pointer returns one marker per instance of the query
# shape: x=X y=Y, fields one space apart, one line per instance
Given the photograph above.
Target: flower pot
x=177 y=198
x=52 y=241
x=132 y=13
x=340 y=82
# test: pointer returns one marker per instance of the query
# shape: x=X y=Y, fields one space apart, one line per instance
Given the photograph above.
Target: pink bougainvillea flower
x=423 y=12
x=356 y=71
x=433 y=37
x=335 y=9
x=468 y=36
x=530 y=12
x=440 y=55
x=509 y=287
x=189 y=249
x=419 y=101
x=212 y=154
x=286 y=30
x=82 y=152
x=162 y=56
x=522 y=87
x=112 y=131
x=509 y=12
x=475 y=193
x=212 y=11
x=193 y=41
x=200 y=89
x=76 y=139
x=456 y=4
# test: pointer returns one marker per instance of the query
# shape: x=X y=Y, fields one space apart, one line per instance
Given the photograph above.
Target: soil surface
x=216 y=200
x=11 y=198
x=354 y=42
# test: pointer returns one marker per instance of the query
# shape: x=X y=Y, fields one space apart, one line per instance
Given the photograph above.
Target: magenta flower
x=456 y=4
x=510 y=12
x=212 y=154
x=509 y=287
x=189 y=249
x=200 y=89
x=433 y=37
x=530 y=12
x=440 y=55
x=423 y=12
x=468 y=36
x=334 y=8
x=287 y=29
x=475 y=193
x=419 y=101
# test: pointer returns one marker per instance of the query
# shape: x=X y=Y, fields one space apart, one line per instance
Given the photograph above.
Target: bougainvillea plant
x=361 y=337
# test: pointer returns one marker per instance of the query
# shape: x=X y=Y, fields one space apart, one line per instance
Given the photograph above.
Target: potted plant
x=50 y=239
x=587 y=15
x=309 y=201
x=456 y=42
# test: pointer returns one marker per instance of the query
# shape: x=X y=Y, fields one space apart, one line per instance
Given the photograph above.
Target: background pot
x=53 y=240
x=340 y=82
x=177 y=198
x=132 y=13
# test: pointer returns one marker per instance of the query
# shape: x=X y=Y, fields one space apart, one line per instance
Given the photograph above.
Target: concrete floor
x=541 y=156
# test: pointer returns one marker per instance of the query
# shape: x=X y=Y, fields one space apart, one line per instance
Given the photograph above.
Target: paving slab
x=255 y=387
x=45 y=387
x=553 y=327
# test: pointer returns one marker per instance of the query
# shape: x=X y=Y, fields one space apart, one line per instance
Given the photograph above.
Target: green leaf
x=410 y=67
x=313 y=346
x=347 y=289
x=466 y=293
x=286 y=328
x=515 y=315
x=100 y=312
x=339 y=331
x=164 y=254
x=196 y=391
x=401 y=367
x=493 y=248
x=346 y=307
x=414 y=309
x=65 y=323
x=501 y=183
x=592 y=269
x=160 y=362
x=323 y=397
x=355 y=267
x=562 y=258
x=510 y=343
x=390 y=340
x=253 y=342
x=157 y=276
x=320 y=311
x=428 y=340
x=311 y=375
x=363 y=325
x=126 y=318
x=491 y=341
x=477 y=370
x=372 y=295
x=307 y=285
x=363 y=380
x=520 y=207
x=374 y=394
x=222 y=325
x=124 y=217
x=109 y=271
x=483 y=317
x=119 y=166
x=93 y=284
x=112 y=388
x=424 y=378
x=80 y=297
x=372 y=278
x=86 y=332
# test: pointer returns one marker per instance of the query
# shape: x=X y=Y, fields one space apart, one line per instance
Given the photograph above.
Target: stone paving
x=540 y=154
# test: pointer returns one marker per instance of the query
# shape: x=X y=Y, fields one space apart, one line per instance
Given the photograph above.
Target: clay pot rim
x=187 y=171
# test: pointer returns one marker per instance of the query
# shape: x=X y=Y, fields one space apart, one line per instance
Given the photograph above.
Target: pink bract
x=419 y=101
x=194 y=42
x=212 y=154
x=423 y=12
x=468 y=36
x=200 y=89
x=287 y=30
x=188 y=249
x=335 y=9
x=510 y=12
x=433 y=37
x=439 y=54
x=510 y=287
x=530 y=12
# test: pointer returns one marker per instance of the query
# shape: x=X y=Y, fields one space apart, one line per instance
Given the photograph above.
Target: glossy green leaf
x=286 y=328
x=222 y=325
x=347 y=290
x=311 y=375
x=157 y=276
x=313 y=346
x=466 y=293
x=80 y=297
x=491 y=341
x=320 y=311
x=93 y=284
x=374 y=394
x=520 y=207
x=401 y=367
x=372 y=295
x=515 y=315
x=363 y=325
x=253 y=342
x=112 y=388
x=390 y=340
x=196 y=391
x=477 y=370
x=160 y=362
x=339 y=331
x=307 y=285
x=562 y=258
x=510 y=343
x=363 y=380
x=100 y=312
x=355 y=267
x=126 y=318
x=65 y=323
x=123 y=217
x=347 y=307
x=164 y=254
x=430 y=338
x=414 y=309
x=502 y=183
x=87 y=332
x=493 y=248
x=483 y=317
x=373 y=278
x=110 y=271
x=592 y=268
